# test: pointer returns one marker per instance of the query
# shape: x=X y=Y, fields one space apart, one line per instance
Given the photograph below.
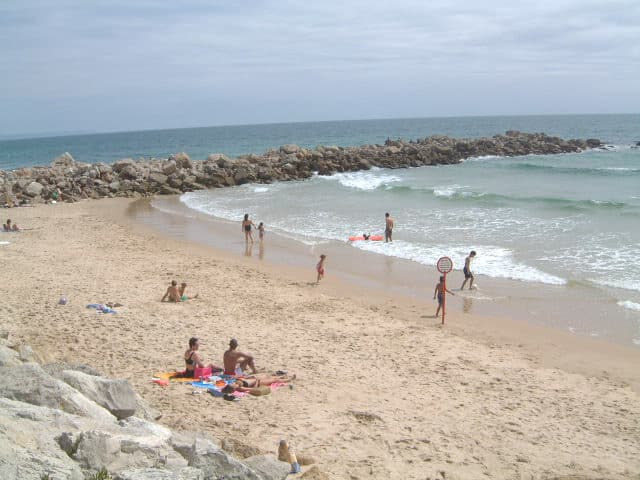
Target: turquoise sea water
x=560 y=220
x=236 y=140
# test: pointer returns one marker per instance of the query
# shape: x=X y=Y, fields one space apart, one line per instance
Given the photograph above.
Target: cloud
x=149 y=51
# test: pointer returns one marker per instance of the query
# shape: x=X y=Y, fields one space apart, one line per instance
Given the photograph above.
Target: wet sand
x=383 y=392
x=578 y=309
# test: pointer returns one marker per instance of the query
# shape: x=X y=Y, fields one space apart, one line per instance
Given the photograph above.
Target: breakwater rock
x=69 y=180
x=66 y=422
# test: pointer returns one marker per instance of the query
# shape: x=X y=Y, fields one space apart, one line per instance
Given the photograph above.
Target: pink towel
x=239 y=394
x=277 y=385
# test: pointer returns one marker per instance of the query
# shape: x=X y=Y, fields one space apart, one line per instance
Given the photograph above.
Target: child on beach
x=8 y=227
x=439 y=292
x=320 y=268
x=183 y=297
x=261 y=231
x=468 y=274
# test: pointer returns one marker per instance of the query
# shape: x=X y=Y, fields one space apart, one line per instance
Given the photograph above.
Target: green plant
x=101 y=475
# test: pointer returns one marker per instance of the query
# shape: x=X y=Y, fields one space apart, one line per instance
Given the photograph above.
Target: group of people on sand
x=235 y=363
x=177 y=294
x=10 y=227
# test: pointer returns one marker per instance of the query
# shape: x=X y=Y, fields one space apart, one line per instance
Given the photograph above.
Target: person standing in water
x=468 y=274
x=247 y=225
x=440 y=291
x=388 y=229
x=261 y=231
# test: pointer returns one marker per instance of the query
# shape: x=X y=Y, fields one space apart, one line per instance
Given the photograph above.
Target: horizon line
x=47 y=135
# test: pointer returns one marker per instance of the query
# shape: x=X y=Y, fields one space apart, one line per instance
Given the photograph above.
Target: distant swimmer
x=365 y=236
x=388 y=229
x=468 y=274
x=439 y=292
x=320 y=268
x=247 y=225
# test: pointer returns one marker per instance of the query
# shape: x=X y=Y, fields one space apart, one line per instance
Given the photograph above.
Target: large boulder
x=158 y=178
x=216 y=463
x=28 y=446
x=120 y=165
x=8 y=357
x=182 y=160
x=64 y=160
x=117 y=396
x=268 y=467
x=184 y=473
x=29 y=383
x=289 y=148
x=34 y=189
x=136 y=443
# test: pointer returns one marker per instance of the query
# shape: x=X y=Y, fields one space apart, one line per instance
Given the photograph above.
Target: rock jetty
x=69 y=180
x=64 y=421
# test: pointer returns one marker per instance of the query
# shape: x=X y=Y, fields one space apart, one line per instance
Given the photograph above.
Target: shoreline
x=381 y=391
x=575 y=309
x=549 y=346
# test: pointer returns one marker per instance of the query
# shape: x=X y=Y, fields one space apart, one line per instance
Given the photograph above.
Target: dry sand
x=383 y=392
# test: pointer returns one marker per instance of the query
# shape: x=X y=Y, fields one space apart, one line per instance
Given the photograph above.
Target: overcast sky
x=93 y=65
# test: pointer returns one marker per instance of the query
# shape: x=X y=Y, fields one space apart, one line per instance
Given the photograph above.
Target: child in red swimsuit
x=320 y=268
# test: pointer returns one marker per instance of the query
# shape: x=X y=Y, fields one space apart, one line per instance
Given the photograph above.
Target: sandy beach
x=383 y=390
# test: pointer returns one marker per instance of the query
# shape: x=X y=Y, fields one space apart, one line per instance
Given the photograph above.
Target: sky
x=118 y=65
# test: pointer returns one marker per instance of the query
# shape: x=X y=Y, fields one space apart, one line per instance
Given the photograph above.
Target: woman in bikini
x=247 y=225
x=246 y=384
x=192 y=359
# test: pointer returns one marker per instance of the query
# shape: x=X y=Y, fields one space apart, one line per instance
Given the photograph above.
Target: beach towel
x=276 y=385
x=101 y=308
x=173 y=377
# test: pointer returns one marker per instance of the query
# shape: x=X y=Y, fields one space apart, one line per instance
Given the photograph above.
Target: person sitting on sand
x=245 y=384
x=320 y=268
x=183 y=297
x=8 y=227
x=193 y=360
x=172 y=292
x=233 y=358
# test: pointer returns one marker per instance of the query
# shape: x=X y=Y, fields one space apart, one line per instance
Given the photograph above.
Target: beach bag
x=202 y=372
x=259 y=391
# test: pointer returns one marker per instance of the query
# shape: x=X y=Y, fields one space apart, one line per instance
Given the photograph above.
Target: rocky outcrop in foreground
x=65 y=422
x=69 y=180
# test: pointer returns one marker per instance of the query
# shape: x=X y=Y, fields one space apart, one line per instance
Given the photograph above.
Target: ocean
x=563 y=220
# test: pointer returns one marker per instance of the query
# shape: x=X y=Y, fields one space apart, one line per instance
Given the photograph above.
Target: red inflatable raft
x=375 y=238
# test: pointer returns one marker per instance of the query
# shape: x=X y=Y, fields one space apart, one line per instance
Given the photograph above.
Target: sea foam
x=491 y=261
x=630 y=305
x=366 y=180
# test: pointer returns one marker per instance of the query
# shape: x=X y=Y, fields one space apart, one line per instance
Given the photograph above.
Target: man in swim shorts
x=233 y=358
x=172 y=292
x=388 y=230
x=468 y=274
